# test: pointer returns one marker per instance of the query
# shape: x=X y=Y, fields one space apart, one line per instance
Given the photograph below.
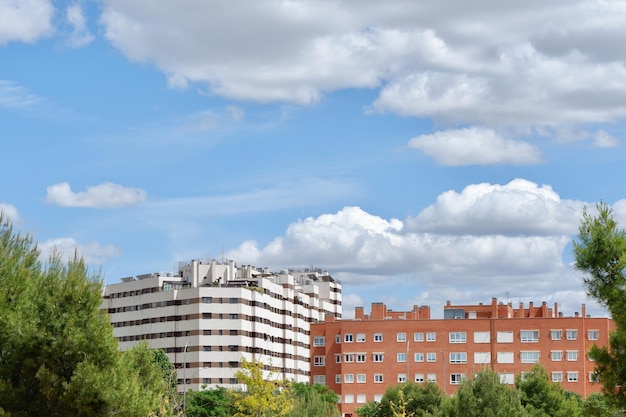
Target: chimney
x=556 y=310
x=584 y=310
x=531 y=310
x=358 y=313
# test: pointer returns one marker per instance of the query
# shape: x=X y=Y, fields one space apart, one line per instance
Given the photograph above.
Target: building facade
x=360 y=358
x=208 y=316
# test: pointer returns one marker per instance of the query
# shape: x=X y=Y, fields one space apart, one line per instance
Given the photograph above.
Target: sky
x=419 y=151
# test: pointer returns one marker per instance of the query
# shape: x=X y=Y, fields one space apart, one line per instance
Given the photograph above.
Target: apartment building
x=208 y=316
x=360 y=358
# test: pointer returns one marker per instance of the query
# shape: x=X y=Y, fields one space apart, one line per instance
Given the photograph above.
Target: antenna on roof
x=222 y=253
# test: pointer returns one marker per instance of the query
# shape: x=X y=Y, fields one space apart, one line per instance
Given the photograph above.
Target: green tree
x=600 y=252
x=313 y=401
x=485 y=396
x=419 y=400
x=370 y=409
x=217 y=402
x=597 y=405
x=58 y=356
x=543 y=398
x=264 y=397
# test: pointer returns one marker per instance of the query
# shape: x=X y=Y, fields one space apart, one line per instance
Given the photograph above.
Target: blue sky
x=418 y=151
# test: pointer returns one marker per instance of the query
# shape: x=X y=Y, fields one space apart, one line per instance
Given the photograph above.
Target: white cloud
x=92 y=252
x=80 y=35
x=520 y=207
x=25 y=20
x=491 y=65
x=475 y=146
x=602 y=139
x=107 y=195
x=488 y=240
x=10 y=212
x=14 y=96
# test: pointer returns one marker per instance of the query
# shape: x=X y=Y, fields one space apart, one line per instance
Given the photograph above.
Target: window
x=348 y=338
x=348 y=378
x=319 y=341
x=361 y=398
x=233 y=300
x=482 y=337
x=572 y=377
x=378 y=357
x=571 y=334
x=338 y=338
x=594 y=377
x=458 y=357
x=206 y=348
x=319 y=361
x=593 y=334
x=557 y=376
x=456 y=379
x=378 y=337
x=418 y=337
x=431 y=357
x=431 y=336
x=232 y=316
x=505 y=357
x=206 y=300
x=556 y=355
x=431 y=377
x=348 y=357
x=418 y=357
x=378 y=378
x=337 y=378
x=401 y=377
x=337 y=357
x=360 y=337
x=482 y=358
x=419 y=378
x=507 y=378
x=401 y=357
x=457 y=337
x=504 y=337
x=529 y=336
x=401 y=337
x=556 y=334
x=360 y=378
x=349 y=399
x=360 y=357
x=319 y=379
x=572 y=355
x=529 y=357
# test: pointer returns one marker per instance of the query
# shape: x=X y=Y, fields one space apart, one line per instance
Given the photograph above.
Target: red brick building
x=360 y=358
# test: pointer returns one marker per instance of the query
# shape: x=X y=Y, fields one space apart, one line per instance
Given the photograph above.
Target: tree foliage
x=485 y=396
x=600 y=252
x=312 y=401
x=543 y=398
x=264 y=397
x=418 y=400
x=217 y=402
x=58 y=356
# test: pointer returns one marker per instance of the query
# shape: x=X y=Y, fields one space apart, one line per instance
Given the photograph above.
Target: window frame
x=457 y=337
x=529 y=336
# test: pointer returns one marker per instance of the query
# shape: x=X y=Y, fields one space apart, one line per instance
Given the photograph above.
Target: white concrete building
x=210 y=315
